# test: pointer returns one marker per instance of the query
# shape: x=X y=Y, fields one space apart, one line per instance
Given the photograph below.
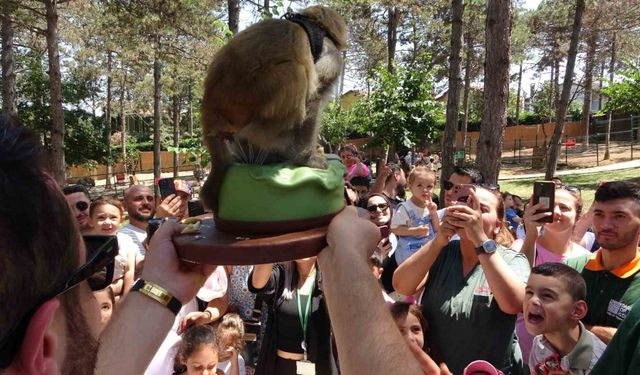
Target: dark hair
x=70 y=189
x=471 y=172
x=365 y=202
x=374 y=261
x=102 y=201
x=38 y=236
x=572 y=280
x=400 y=310
x=360 y=181
x=609 y=191
x=192 y=339
x=350 y=148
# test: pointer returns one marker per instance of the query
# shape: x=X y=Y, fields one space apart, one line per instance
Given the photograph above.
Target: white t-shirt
x=226 y=366
x=133 y=236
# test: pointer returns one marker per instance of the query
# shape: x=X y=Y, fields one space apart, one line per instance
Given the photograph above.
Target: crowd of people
x=407 y=284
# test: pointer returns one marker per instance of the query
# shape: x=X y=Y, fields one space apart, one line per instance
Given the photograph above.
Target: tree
x=233 y=7
x=561 y=111
x=9 y=101
x=496 y=88
x=453 y=97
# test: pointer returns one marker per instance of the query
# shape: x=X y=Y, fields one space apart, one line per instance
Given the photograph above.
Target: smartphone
x=384 y=231
x=94 y=244
x=195 y=208
x=153 y=226
x=461 y=193
x=167 y=187
x=544 y=192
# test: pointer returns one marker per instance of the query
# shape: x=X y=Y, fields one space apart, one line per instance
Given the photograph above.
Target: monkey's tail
x=220 y=162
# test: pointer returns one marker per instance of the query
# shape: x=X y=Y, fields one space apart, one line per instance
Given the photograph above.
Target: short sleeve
x=400 y=217
x=518 y=264
x=215 y=286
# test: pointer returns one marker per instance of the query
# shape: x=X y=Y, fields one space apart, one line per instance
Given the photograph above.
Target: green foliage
x=542 y=102
x=194 y=150
x=624 y=96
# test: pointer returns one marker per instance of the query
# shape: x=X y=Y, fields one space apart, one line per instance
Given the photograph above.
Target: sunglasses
x=81 y=205
x=571 y=189
x=98 y=271
x=374 y=207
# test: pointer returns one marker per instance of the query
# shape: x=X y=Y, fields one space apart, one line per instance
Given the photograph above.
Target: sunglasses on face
x=98 y=271
x=571 y=189
x=447 y=185
x=375 y=207
x=82 y=206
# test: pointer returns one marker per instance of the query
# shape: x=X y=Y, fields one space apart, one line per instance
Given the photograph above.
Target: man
x=387 y=182
x=613 y=272
x=78 y=200
x=460 y=176
x=140 y=205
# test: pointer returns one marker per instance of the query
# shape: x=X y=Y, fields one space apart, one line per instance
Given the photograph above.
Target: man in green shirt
x=612 y=274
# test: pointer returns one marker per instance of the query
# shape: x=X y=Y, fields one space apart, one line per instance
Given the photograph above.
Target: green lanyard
x=304 y=319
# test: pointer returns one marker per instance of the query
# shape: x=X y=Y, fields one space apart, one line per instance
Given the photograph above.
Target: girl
x=198 y=352
x=416 y=221
x=230 y=332
x=107 y=302
x=411 y=323
x=105 y=217
x=355 y=167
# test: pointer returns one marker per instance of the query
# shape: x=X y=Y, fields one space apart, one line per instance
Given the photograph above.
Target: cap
x=481 y=366
x=182 y=185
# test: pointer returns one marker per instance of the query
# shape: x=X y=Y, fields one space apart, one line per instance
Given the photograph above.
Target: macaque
x=264 y=92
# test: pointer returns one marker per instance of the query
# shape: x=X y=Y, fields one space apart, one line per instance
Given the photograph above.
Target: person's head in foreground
x=198 y=353
x=411 y=323
x=554 y=300
x=49 y=319
x=79 y=200
x=105 y=216
x=616 y=215
x=379 y=209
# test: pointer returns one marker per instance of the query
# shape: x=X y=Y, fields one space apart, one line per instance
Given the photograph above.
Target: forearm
x=582 y=226
x=604 y=333
x=404 y=230
x=410 y=274
x=345 y=305
x=260 y=275
x=137 y=329
x=378 y=185
x=217 y=307
x=435 y=221
x=507 y=289
x=529 y=246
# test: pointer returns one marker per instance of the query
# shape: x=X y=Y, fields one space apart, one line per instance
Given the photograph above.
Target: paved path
x=602 y=168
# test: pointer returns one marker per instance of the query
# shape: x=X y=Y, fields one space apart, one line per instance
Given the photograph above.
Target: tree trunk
x=266 y=9
x=57 y=163
x=190 y=111
x=453 y=95
x=157 y=87
x=123 y=124
x=107 y=125
x=234 y=15
x=556 y=84
x=612 y=64
x=467 y=89
x=392 y=36
x=496 y=88
x=9 y=101
x=602 y=67
x=592 y=44
x=176 y=134
x=518 y=95
x=561 y=111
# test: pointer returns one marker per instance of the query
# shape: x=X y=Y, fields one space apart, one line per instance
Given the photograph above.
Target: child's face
x=348 y=158
x=548 y=306
x=106 y=219
x=106 y=306
x=508 y=201
x=422 y=186
x=411 y=329
x=203 y=361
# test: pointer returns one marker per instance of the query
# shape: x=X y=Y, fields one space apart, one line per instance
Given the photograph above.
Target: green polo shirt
x=610 y=293
x=466 y=322
x=622 y=356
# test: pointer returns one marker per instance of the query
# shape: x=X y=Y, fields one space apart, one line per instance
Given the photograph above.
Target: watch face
x=490 y=246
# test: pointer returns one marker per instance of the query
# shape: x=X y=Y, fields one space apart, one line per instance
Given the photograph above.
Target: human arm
x=216 y=308
x=403 y=230
x=260 y=276
x=140 y=325
x=433 y=215
x=582 y=225
x=344 y=263
x=381 y=178
x=604 y=333
x=532 y=225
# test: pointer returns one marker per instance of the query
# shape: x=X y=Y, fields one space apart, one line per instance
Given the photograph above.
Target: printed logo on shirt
x=482 y=290
x=618 y=309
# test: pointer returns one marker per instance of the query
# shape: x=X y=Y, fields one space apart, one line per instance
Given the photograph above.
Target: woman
x=473 y=287
x=298 y=325
x=380 y=214
x=554 y=243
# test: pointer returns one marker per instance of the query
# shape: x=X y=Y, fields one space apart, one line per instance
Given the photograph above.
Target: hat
x=182 y=185
x=481 y=366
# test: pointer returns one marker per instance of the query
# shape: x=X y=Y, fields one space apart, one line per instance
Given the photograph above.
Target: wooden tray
x=212 y=246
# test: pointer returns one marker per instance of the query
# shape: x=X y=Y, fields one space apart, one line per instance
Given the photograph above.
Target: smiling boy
x=554 y=303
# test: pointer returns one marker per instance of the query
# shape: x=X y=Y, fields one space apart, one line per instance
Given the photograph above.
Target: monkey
x=265 y=89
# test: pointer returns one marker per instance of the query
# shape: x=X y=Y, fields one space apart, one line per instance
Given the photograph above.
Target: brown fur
x=264 y=88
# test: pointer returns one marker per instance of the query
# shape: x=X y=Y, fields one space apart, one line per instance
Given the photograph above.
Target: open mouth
x=535 y=318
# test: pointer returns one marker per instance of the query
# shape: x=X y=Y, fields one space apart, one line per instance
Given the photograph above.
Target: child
x=510 y=213
x=198 y=352
x=415 y=221
x=105 y=217
x=230 y=332
x=411 y=323
x=107 y=301
x=376 y=268
x=554 y=303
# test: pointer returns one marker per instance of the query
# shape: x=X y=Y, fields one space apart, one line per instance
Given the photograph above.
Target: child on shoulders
x=554 y=303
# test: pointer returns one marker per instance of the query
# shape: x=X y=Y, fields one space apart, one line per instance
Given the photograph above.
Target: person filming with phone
x=473 y=287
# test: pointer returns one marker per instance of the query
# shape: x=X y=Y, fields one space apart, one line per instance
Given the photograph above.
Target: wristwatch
x=158 y=294
x=487 y=247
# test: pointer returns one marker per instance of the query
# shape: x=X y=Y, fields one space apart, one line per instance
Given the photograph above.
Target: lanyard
x=304 y=319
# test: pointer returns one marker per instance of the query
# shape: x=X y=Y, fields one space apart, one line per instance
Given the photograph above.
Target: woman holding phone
x=473 y=287
x=549 y=242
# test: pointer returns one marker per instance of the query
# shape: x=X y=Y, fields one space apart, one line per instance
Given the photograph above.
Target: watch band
x=159 y=294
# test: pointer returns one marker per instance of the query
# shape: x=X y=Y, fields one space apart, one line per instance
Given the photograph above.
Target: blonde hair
x=420 y=170
x=230 y=331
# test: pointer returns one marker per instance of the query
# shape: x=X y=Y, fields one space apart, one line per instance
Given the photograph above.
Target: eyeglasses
x=98 y=271
x=447 y=185
x=82 y=205
x=374 y=207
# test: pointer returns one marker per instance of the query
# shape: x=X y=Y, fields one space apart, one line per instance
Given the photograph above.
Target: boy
x=554 y=303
